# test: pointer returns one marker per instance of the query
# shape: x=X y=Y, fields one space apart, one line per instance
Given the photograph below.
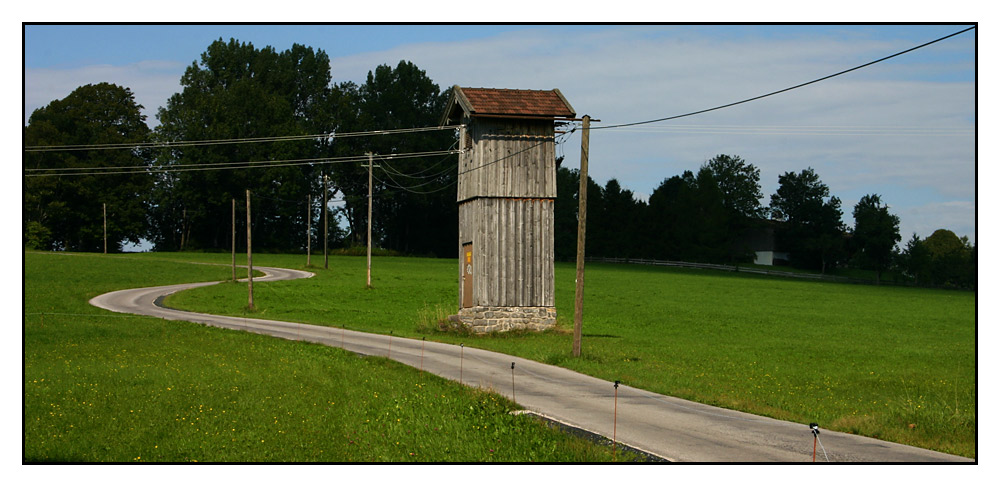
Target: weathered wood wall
x=507 y=158
x=513 y=250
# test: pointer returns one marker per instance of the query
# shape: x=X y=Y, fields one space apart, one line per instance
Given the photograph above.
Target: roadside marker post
x=512 y=391
x=614 y=435
x=815 y=431
x=461 y=363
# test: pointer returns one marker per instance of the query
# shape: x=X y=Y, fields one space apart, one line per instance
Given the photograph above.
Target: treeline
x=716 y=216
x=180 y=196
x=159 y=185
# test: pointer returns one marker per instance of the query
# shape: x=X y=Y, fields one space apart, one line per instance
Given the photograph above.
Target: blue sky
x=80 y=45
x=904 y=129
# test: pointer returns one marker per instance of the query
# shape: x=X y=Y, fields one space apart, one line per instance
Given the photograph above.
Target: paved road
x=671 y=428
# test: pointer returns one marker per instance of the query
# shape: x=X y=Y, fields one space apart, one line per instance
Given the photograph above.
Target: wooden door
x=467 y=270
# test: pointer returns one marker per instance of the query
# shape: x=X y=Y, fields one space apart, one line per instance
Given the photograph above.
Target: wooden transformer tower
x=506 y=198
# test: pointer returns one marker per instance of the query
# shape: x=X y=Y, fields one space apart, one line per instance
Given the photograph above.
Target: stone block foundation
x=488 y=319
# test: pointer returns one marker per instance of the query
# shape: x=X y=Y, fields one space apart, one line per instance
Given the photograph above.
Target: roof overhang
x=459 y=105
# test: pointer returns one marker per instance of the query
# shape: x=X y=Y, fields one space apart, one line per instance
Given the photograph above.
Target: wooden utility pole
x=309 y=222
x=369 y=220
x=326 y=228
x=581 y=237
x=249 y=257
x=234 y=239
x=105 y=211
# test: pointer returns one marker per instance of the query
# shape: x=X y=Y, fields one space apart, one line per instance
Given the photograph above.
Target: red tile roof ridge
x=513 y=101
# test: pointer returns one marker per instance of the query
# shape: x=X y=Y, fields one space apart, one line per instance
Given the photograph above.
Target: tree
x=876 y=233
x=798 y=196
x=617 y=221
x=942 y=259
x=566 y=208
x=814 y=231
x=951 y=259
x=666 y=218
x=916 y=259
x=739 y=183
x=238 y=91
x=688 y=219
x=64 y=212
x=609 y=223
x=415 y=210
x=709 y=219
x=739 y=186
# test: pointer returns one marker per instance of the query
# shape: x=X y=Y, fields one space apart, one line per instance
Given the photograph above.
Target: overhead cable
x=785 y=89
x=412 y=188
x=508 y=156
x=805 y=130
x=210 y=164
x=224 y=165
x=421 y=174
x=253 y=140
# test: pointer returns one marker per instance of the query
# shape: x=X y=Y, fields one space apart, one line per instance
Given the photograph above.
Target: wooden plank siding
x=507 y=158
x=512 y=241
x=506 y=204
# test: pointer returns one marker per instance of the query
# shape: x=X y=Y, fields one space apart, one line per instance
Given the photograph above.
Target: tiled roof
x=534 y=103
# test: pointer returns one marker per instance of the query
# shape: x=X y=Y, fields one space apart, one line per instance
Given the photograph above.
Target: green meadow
x=106 y=387
x=887 y=362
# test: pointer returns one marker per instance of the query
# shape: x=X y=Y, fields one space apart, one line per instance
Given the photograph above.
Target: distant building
x=506 y=198
x=761 y=241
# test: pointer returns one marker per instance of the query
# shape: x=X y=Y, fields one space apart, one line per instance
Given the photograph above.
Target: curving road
x=671 y=428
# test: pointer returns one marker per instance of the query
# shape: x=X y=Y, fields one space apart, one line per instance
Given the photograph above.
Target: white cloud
x=640 y=73
x=152 y=83
x=904 y=130
x=923 y=219
x=903 y=143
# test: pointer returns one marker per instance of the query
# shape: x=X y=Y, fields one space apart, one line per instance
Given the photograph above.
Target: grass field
x=106 y=387
x=888 y=362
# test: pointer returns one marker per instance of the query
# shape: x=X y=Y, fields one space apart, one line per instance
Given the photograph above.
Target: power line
x=222 y=165
x=804 y=130
x=143 y=168
x=412 y=189
x=420 y=174
x=786 y=89
x=174 y=168
x=508 y=156
x=252 y=140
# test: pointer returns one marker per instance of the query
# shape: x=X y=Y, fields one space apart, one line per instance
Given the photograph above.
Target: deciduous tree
x=415 y=209
x=739 y=188
x=238 y=91
x=64 y=212
x=951 y=259
x=876 y=233
x=739 y=183
x=814 y=231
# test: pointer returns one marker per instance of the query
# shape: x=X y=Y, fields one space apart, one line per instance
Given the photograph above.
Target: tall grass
x=887 y=362
x=106 y=387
